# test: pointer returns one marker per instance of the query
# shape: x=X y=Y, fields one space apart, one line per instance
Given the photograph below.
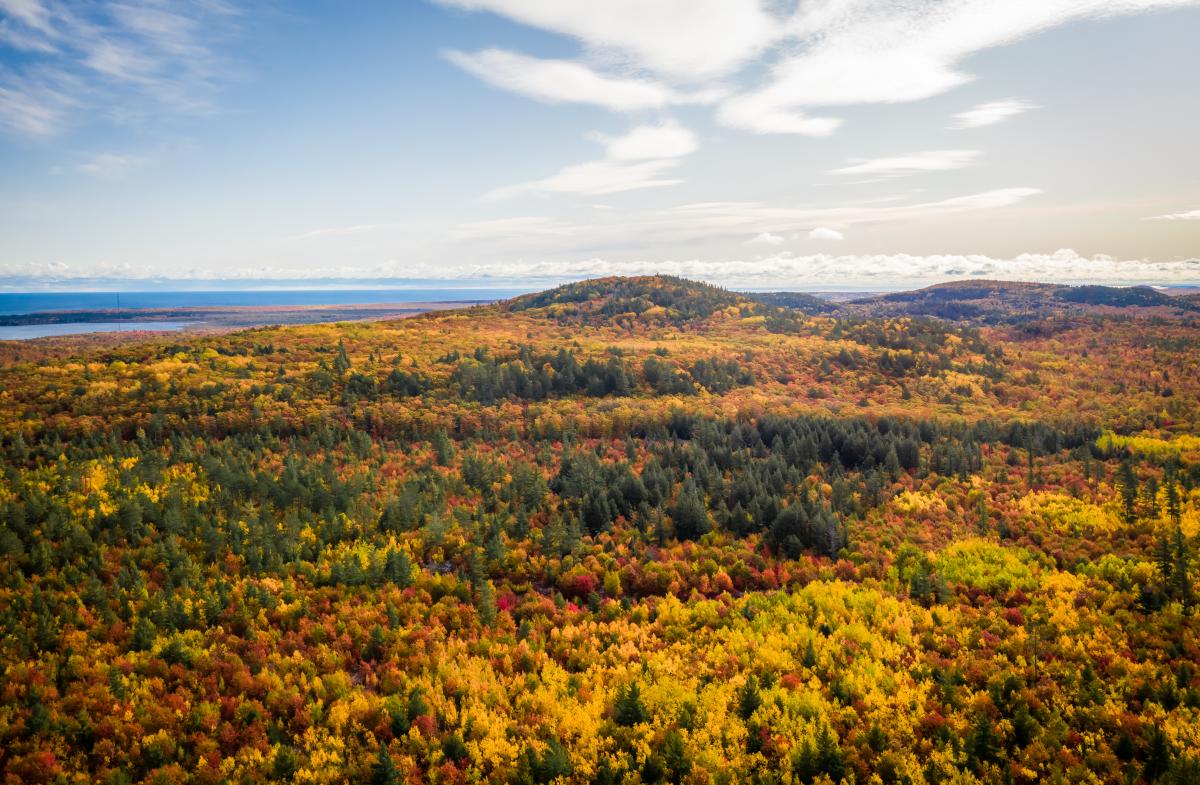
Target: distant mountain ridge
x=1003 y=301
x=985 y=301
x=674 y=300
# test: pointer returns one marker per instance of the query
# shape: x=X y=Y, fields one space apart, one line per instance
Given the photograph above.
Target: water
x=26 y=331
x=13 y=303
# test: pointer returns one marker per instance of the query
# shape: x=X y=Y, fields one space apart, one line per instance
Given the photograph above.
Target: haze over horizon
x=819 y=145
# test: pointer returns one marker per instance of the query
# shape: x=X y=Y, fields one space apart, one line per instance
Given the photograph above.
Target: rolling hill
x=661 y=298
x=1002 y=302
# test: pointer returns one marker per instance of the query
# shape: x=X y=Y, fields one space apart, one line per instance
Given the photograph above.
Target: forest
x=629 y=530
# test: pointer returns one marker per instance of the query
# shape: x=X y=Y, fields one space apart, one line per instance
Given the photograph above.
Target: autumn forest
x=629 y=530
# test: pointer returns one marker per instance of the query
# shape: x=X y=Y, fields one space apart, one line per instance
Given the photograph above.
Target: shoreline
x=193 y=319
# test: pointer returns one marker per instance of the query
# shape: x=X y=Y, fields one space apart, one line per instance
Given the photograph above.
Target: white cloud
x=30 y=13
x=823 y=233
x=863 y=52
x=828 y=52
x=765 y=238
x=666 y=140
x=992 y=112
x=1190 y=215
x=742 y=218
x=561 y=81
x=781 y=271
x=110 y=165
x=728 y=224
x=817 y=53
x=757 y=113
x=636 y=160
x=595 y=178
x=30 y=109
x=868 y=271
x=128 y=61
x=898 y=166
x=684 y=39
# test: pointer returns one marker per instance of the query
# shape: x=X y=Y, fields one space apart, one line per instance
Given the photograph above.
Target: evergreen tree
x=443 y=450
x=689 y=515
x=485 y=603
x=535 y=769
x=829 y=755
x=284 y=766
x=143 y=635
x=1127 y=483
x=749 y=698
x=810 y=655
x=341 y=361
x=1174 y=510
x=398 y=568
x=384 y=772
x=891 y=463
x=1158 y=755
x=804 y=763
x=675 y=757
x=983 y=746
x=629 y=710
x=1181 y=567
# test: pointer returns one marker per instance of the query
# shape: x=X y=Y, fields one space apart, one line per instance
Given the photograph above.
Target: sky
x=806 y=144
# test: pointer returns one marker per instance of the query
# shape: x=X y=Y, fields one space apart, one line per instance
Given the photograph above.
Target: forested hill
x=999 y=302
x=624 y=531
x=653 y=298
x=671 y=300
x=800 y=301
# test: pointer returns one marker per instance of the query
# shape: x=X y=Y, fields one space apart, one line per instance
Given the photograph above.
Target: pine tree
x=804 y=763
x=341 y=362
x=675 y=757
x=629 y=709
x=384 y=772
x=689 y=514
x=1158 y=755
x=1164 y=561
x=375 y=646
x=398 y=568
x=983 y=745
x=534 y=769
x=443 y=450
x=1128 y=485
x=810 y=655
x=891 y=463
x=143 y=635
x=829 y=755
x=749 y=698
x=572 y=534
x=1183 y=581
x=1174 y=511
x=485 y=603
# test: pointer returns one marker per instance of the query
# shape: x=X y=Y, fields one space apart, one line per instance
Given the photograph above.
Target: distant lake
x=27 y=331
x=36 y=302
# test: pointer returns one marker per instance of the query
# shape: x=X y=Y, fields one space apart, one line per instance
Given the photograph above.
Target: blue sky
x=810 y=145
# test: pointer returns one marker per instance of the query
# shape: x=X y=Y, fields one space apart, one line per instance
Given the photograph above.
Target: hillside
x=626 y=530
x=999 y=302
x=799 y=301
x=656 y=298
